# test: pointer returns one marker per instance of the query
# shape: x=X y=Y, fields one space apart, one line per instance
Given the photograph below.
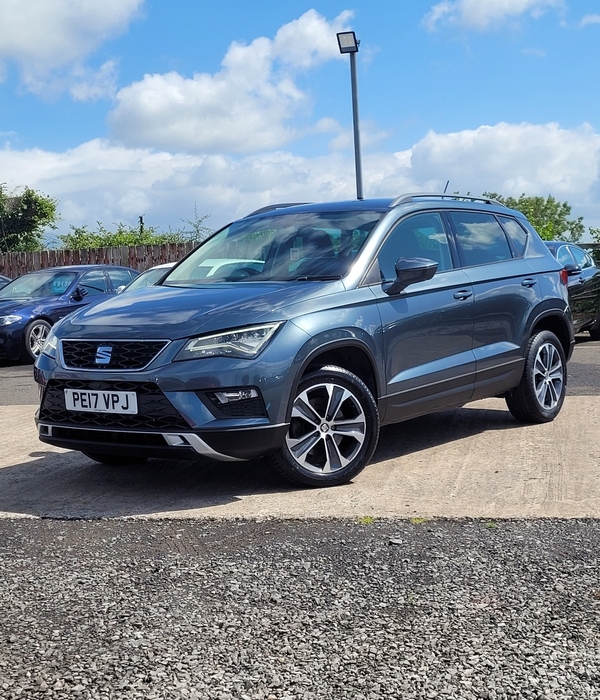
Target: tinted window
x=119 y=277
x=94 y=282
x=419 y=236
x=481 y=238
x=516 y=234
x=581 y=257
x=563 y=256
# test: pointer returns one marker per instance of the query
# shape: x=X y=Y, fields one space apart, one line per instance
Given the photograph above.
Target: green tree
x=548 y=216
x=125 y=235
x=23 y=218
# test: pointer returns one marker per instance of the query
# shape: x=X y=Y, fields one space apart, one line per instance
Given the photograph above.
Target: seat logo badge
x=103 y=353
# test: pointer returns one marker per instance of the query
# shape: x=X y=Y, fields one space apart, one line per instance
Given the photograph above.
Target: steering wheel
x=242 y=273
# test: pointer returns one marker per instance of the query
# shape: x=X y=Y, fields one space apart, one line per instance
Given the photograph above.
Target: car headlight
x=244 y=343
x=51 y=344
x=11 y=318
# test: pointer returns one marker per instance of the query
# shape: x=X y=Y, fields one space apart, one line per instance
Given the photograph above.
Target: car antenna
x=446 y=188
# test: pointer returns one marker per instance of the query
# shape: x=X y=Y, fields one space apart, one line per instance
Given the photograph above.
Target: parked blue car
x=33 y=302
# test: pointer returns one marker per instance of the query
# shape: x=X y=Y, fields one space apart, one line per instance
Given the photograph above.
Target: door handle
x=463 y=294
x=528 y=281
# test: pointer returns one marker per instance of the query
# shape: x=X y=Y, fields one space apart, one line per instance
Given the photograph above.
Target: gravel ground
x=309 y=609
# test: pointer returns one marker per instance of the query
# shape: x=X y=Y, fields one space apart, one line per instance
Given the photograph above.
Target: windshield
x=305 y=246
x=36 y=285
x=147 y=278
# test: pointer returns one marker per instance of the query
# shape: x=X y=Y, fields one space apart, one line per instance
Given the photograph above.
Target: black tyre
x=594 y=333
x=35 y=337
x=333 y=432
x=540 y=395
x=114 y=460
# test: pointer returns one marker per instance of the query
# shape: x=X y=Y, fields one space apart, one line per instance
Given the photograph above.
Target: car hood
x=169 y=312
x=22 y=305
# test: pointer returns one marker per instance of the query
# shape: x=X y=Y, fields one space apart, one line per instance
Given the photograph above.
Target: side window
x=94 y=282
x=563 y=256
x=119 y=277
x=581 y=257
x=480 y=237
x=419 y=236
x=516 y=233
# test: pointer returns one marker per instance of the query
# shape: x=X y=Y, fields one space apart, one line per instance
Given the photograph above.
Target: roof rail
x=272 y=207
x=405 y=198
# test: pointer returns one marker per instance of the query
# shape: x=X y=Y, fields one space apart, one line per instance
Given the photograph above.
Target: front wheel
x=540 y=395
x=35 y=337
x=333 y=431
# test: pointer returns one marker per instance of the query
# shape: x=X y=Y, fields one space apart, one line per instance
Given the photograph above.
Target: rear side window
x=516 y=234
x=480 y=237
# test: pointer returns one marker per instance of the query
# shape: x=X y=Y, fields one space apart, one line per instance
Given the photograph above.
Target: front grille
x=123 y=354
x=155 y=411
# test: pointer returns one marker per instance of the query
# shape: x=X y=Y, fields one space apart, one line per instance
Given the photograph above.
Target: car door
x=427 y=328
x=91 y=287
x=506 y=290
x=584 y=286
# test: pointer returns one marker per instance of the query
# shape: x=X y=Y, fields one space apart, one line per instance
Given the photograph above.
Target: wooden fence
x=139 y=257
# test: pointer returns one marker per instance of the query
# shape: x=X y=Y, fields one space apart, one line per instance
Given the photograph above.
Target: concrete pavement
x=471 y=462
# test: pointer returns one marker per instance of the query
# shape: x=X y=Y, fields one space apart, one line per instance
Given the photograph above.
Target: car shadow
x=68 y=485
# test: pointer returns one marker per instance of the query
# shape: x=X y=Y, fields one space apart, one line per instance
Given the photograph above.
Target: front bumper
x=177 y=417
x=223 y=445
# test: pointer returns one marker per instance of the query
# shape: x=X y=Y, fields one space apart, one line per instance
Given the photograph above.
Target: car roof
x=385 y=204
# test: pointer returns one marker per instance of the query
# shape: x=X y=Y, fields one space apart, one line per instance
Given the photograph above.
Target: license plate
x=101 y=401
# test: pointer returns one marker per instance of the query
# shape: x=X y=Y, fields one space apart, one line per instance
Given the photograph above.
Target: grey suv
x=299 y=330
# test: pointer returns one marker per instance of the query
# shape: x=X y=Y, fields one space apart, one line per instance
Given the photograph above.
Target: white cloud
x=247 y=107
x=98 y=181
x=483 y=14
x=590 y=19
x=49 y=40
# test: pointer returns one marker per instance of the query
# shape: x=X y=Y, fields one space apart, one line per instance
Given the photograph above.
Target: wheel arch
x=351 y=355
x=559 y=325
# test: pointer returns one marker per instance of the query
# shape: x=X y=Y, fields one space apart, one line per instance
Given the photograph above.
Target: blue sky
x=163 y=109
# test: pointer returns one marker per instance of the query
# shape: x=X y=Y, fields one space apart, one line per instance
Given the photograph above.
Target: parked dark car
x=298 y=330
x=4 y=281
x=584 y=285
x=31 y=303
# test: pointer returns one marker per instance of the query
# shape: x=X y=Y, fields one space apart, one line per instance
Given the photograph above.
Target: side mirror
x=79 y=293
x=410 y=271
x=118 y=290
x=572 y=269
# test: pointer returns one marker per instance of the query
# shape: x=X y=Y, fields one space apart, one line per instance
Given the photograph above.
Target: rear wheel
x=540 y=395
x=113 y=460
x=333 y=432
x=35 y=337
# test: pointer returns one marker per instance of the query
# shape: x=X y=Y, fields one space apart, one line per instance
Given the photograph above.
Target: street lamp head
x=348 y=42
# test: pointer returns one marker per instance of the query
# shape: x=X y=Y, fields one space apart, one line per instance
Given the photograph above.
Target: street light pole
x=348 y=43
